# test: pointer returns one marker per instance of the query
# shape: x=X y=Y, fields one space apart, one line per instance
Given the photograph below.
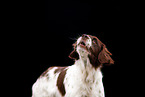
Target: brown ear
x=104 y=56
x=74 y=55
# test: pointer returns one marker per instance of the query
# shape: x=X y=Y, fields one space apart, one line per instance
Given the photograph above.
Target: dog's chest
x=83 y=83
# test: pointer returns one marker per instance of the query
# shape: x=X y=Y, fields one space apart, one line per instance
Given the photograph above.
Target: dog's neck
x=88 y=72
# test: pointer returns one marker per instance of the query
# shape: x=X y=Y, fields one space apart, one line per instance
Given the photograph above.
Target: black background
x=47 y=30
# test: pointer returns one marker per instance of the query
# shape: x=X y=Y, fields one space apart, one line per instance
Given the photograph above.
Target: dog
x=83 y=78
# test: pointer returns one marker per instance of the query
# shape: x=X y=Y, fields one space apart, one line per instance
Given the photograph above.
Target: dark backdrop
x=48 y=29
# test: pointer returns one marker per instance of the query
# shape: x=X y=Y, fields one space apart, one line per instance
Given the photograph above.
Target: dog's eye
x=94 y=40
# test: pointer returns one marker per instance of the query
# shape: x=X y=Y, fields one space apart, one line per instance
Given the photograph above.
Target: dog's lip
x=82 y=43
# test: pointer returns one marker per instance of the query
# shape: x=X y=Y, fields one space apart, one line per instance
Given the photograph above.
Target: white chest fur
x=83 y=81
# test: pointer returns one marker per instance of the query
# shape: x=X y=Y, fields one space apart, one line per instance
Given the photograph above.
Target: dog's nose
x=85 y=36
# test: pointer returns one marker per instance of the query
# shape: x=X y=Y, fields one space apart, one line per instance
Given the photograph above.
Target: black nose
x=84 y=36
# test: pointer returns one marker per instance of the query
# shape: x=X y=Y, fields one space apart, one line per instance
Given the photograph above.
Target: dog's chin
x=82 y=51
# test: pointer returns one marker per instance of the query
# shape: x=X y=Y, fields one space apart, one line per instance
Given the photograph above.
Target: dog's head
x=91 y=47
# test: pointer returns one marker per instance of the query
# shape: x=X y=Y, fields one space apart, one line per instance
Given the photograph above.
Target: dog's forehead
x=92 y=37
x=80 y=38
x=89 y=36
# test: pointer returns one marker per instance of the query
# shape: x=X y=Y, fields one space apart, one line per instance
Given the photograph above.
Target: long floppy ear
x=104 y=56
x=74 y=55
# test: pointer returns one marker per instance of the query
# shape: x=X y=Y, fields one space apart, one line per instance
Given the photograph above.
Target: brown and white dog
x=83 y=79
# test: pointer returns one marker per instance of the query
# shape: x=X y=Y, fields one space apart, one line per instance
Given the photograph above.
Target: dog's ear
x=104 y=56
x=74 y=54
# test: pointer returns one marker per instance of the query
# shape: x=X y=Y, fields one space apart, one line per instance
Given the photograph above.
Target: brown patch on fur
x=98 y=53
x=60 y=81
x=59 y=69
x=104 y=56
x=45 y=72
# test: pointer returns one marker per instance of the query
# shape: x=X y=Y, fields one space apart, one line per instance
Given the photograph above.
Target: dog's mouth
x=82 y=44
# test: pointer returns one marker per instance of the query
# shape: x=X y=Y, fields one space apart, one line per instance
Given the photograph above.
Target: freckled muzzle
x=84 y=42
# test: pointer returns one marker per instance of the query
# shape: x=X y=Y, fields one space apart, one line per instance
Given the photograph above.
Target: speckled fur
x=81 y=79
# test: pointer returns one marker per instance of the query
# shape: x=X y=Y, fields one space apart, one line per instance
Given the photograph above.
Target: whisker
x=72 y=38
x=78 y=35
